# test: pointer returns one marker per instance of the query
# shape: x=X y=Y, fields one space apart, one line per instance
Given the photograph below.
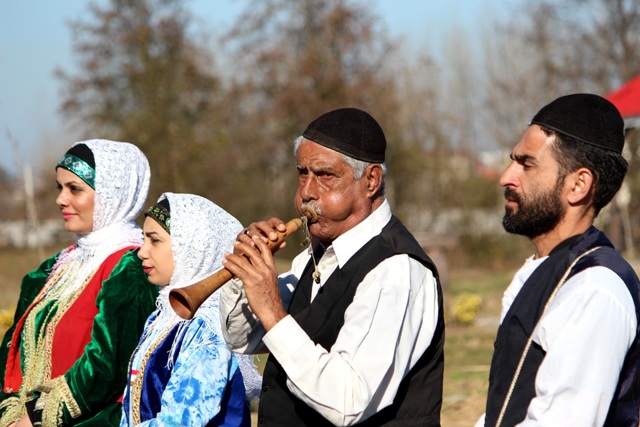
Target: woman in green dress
x=80 y=314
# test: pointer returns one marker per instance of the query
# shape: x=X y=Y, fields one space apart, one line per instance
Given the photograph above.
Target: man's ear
x=373 y=174
x=580 y=186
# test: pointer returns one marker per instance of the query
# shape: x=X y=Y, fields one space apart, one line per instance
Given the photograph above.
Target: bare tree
x=294 y=61
x=559 y=47
x=143 y=79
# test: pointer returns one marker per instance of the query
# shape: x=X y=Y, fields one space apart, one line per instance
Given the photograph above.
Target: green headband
x=161 y=215
x=79 y=167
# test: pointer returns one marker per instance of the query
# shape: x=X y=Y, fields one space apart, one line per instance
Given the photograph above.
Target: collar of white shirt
x=346 y=245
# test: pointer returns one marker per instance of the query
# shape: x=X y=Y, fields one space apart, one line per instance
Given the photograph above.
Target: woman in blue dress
x=182 y=373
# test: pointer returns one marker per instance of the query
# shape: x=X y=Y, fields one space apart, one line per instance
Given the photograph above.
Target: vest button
x=265 y=388
x=8 y=390
x=261 y=421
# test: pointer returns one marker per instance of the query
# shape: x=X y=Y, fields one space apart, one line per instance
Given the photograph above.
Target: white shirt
x=586 y=333
x=387 y=327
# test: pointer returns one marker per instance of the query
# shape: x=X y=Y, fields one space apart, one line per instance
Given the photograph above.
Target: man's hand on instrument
x=265 y=229
x=252 y=262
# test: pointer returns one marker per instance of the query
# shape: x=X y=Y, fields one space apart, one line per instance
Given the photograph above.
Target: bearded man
x=567 y=350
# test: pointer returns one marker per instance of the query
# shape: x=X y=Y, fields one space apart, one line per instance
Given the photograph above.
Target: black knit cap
x=586 y=117
x=349 y=131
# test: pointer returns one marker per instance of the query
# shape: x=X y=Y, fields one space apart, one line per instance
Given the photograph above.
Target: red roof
x=627 y=98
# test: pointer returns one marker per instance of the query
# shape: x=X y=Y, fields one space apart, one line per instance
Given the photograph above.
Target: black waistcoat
x=523 y=315
x=419 y=397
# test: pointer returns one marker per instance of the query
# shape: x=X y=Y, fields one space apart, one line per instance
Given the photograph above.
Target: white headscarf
x=122 y=182
x=206 y=230
x=121 y=188
x=201 y=233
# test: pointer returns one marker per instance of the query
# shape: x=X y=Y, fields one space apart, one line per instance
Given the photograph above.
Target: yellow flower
x=465 y=308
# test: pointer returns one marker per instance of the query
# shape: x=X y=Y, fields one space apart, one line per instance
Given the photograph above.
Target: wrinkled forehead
x=312 y=155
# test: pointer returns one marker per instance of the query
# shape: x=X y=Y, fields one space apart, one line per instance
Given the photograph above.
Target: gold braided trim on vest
x=136 y=385
x=15 y=410
x=37 y=343
x=36 y=350
x=56 y=394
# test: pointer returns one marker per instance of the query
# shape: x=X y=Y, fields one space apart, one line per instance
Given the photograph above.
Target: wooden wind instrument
x=186 y=301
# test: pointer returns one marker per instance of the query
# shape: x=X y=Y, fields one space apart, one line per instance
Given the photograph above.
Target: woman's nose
x=61 y=200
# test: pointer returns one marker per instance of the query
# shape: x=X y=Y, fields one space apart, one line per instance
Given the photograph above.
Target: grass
x=468 y=348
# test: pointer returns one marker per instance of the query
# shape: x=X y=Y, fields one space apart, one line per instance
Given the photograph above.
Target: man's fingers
x=266 y=229
x=247 y=253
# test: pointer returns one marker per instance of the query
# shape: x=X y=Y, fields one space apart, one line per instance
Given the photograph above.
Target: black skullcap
x=165 y=203
x=586 y=117
x=83 y=152
x=349 y=131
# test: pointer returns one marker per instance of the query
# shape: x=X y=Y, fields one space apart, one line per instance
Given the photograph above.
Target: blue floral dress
x=183 y=377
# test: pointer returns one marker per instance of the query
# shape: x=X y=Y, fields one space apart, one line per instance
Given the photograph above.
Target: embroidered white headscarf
x=121 y=188
x=201 y=233
x=122 y=182
x=203 y=228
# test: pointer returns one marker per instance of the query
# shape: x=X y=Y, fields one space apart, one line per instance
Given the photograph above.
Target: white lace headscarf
x=201 y=233
x=121 y=188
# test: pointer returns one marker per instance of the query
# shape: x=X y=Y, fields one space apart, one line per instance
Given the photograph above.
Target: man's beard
x=535 y=216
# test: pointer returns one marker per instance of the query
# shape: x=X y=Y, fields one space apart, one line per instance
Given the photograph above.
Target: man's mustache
x=511 y=195
x=311 y=204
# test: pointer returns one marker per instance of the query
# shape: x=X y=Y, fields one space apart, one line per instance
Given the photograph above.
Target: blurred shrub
x=465 y=308
x=6 y=320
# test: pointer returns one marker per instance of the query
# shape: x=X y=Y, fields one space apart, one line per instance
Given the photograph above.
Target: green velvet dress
x=74 y=349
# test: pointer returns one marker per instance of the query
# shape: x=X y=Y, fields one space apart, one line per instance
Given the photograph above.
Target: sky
x=35 y=40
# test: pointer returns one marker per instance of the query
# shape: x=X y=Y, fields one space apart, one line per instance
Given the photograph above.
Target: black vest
x=419 y=397
x=522 y=317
